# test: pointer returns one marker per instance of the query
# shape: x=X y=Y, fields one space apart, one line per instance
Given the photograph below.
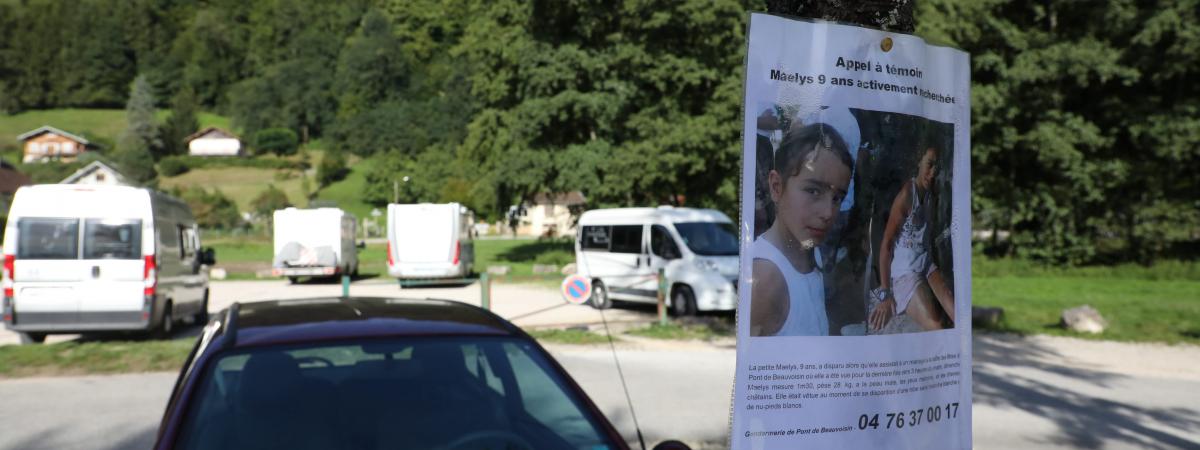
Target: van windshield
x=709 y=238
x=112 y=239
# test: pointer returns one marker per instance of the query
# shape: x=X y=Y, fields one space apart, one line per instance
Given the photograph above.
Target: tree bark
x=890 y=15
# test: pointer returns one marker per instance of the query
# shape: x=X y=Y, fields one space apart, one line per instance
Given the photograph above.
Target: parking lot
x=527 y=305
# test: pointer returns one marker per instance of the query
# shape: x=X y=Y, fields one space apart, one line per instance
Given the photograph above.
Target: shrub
x=332 y=168
x=280 y=141
x=212 y=209
x=172 y=166
x=269 y=200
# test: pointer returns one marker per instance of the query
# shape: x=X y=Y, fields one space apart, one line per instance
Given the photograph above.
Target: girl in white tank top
x=808 y=182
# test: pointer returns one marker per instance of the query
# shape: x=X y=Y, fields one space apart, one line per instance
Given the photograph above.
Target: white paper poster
x=854 y=311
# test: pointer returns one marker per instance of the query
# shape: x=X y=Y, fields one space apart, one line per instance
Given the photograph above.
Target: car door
x=660 y=251
x=47 y=269
x=112 y=256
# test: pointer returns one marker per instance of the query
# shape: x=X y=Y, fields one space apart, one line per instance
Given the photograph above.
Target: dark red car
x=374 y=373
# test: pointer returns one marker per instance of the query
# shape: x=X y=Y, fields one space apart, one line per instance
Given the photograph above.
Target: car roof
x=633 y=216
x=331 y=318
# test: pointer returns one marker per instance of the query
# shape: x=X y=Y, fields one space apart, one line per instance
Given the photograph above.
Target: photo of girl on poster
x=877 y=262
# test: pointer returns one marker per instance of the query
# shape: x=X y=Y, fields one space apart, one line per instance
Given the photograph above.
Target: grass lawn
x=240 y=184
x=1136 y=309
x=519 y=254
x=347 y=193
x=105 y=123
x=79 y=358
x=568 y=336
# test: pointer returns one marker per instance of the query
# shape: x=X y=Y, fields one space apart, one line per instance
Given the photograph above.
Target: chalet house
x=52 y=144
x=97 y=173
x=213 y=141
x=551 y=215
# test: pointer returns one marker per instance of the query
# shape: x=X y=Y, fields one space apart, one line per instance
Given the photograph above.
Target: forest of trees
x=1086 y=115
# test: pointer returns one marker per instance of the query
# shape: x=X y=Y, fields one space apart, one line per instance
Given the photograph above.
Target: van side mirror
x=671 y=445
x=208 y=256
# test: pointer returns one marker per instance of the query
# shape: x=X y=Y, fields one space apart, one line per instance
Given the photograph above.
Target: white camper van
x=315 y=243
x=430 y=241
x=101 y=258
x=622 y=249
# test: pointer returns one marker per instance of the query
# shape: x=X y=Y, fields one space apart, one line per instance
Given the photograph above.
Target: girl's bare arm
x=899 y=212
x=769 y=304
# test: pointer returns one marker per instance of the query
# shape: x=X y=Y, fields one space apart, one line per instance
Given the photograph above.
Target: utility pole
x=890 y=15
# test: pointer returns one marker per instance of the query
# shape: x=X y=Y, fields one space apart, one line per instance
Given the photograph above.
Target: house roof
x=563 y=198
x=49 y=129
x=89 y=169
x=10 y=179
x=210 y=132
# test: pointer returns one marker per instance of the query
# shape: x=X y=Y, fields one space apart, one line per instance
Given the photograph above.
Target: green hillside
x=347 y=193
x=102 y=123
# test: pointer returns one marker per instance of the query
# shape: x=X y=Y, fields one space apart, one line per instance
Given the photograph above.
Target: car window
x=626 y=239
x=661 y=242
x=709 y=238
x=397 y=393
x=43 y=238
x=112 y=239
x=595 y=238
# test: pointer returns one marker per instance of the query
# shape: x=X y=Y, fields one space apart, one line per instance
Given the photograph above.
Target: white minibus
x=429 y=240
x=101 y=258
x=621 y=250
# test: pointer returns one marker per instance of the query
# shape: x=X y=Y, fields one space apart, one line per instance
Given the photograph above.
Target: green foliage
x=1086 y=123
x=212 y=209
x=49 y=172
x=137 y=164
x=280 y=141
x=106 y=357
x=181 y=124
x=331 y=169
x=268 y=201
x=141 y=136
x=172 y=166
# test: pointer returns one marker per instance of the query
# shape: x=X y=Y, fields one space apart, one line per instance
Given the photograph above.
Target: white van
x=622 y=249
x=314 y=242
x=429 y=240
x=101 y=258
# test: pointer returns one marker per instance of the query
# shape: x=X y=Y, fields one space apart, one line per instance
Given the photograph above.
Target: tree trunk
x=891 y=15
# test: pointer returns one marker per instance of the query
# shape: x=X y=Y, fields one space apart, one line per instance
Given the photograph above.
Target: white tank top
x=911 y=252
x=806 y=292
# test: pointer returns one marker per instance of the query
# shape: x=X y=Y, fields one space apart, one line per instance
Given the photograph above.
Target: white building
x=97 y=173
x=549 y=215
x=213 y=141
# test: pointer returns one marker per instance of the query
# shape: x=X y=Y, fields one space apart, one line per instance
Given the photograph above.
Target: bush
x=212 y=209
x=555 y=257
x=172 y=166
x=269 y=200
x=280 y=141
x=332 y=168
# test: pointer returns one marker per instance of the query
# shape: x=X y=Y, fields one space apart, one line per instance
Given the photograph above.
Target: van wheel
x=293 y=280
x=683 y=301
x=168 y=323
x=33 y=338
x=599 y=298
x=201 y=316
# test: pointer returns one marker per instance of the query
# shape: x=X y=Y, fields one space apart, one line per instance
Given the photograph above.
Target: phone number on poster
x=912 y=418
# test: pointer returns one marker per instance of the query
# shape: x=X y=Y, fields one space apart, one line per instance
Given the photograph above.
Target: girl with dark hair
x=809 y=180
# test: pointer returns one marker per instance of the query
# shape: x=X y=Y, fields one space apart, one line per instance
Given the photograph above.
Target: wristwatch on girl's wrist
x=884 y=293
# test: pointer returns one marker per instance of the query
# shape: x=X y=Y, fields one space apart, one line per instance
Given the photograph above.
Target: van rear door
x=424 y=233
x=47 y=269
x=114 y=268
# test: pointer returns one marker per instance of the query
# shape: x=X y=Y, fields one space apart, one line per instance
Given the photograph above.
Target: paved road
x=527 y=305
x=1030 y=393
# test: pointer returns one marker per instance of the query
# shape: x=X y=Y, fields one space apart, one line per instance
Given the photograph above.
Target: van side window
x=662 y=244
x=47 y=238
x=626 y=239
x=187 y=247
x=595 y=238
x=112 y=239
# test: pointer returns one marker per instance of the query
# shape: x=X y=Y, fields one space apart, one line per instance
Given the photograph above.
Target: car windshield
x=709 y=238
x=450 y=393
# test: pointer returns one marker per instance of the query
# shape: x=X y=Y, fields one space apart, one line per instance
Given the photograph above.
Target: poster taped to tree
x=854 y=308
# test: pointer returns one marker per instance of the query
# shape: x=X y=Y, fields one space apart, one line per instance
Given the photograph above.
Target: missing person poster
x=854 y=311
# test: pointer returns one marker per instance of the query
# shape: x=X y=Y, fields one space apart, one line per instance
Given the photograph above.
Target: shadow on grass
x=528 y=252
x=1083 y=420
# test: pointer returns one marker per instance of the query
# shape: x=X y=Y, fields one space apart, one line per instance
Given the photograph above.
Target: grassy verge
x=103 y=123
x=569 y=336
x=684 y=332
x=1136 y=309
x=72 y=358
x=241 y=184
